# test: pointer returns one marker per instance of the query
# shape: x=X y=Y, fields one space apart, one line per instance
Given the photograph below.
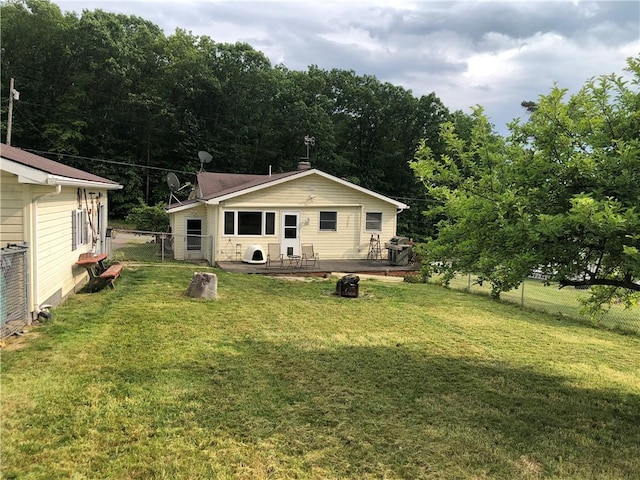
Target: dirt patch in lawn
x=21 y=339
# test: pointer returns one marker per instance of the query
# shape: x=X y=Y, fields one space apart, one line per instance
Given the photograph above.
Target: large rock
x=203 y=285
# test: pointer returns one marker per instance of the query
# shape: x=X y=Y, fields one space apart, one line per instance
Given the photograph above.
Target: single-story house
x=232 y=213
x=54 y=212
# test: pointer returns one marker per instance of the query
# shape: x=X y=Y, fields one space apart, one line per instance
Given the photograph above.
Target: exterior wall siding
x=46 y=226
x=57 y=275
x=310 y=195
x=178 y=229
x=12 y=210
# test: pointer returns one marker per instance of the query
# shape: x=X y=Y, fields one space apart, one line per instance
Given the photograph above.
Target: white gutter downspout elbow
x=34 y=246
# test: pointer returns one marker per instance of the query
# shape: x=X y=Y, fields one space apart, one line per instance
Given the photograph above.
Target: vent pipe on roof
x=304 y=165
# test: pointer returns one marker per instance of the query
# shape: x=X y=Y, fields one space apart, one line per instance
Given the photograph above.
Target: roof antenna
x=309 y=141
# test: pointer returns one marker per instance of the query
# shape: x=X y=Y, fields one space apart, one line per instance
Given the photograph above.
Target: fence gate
x=14 y=279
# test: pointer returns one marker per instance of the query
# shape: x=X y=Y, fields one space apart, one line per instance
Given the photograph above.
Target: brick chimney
x=304 y=165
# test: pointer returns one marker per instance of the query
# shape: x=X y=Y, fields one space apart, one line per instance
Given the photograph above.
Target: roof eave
x=184 y=206
x=74 y=182
x=33 y=176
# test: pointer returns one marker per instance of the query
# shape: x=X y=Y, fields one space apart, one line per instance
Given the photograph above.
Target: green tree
x=559 y=195
x=36 y=39
x=149 y=218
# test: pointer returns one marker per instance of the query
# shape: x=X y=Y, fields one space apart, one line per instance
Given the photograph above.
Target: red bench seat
x=111 y=273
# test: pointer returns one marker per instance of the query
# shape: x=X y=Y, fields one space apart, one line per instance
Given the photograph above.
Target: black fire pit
x=347 y=286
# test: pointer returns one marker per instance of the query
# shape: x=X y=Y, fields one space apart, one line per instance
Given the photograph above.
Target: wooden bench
x=111 y=273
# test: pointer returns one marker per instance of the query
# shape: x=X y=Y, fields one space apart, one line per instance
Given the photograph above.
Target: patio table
x=294 y=261
x=93 y=262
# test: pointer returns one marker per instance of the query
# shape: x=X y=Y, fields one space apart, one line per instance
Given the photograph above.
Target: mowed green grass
x=551 y=299
x=283 y=379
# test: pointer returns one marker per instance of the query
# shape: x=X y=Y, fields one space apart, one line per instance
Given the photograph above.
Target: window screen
x=270 y=223
x=249 y=223
x=329 y=221
x=374 y=221
x=229 y=223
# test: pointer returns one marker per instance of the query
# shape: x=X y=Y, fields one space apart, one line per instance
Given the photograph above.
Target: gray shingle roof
x=214 y=185
x=49 y=166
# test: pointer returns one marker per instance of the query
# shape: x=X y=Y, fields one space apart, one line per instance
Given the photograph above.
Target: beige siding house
x=55 y=212
x=232 y=213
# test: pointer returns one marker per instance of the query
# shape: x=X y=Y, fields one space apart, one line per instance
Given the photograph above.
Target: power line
x=113 y=162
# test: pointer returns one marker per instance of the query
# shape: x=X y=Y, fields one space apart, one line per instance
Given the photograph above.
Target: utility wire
x=114 y=162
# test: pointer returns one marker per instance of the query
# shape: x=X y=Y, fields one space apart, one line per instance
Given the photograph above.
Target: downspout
x=39 y=309
x=360 y=227
x=215 y=228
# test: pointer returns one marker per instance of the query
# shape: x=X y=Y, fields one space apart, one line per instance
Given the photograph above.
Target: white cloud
x=482 y=52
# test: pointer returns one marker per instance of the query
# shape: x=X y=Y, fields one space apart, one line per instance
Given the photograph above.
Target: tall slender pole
x=148 y=161
x=10 y=112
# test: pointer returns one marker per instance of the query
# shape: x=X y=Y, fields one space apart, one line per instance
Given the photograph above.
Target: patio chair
x=309 y=257
x=274 y=255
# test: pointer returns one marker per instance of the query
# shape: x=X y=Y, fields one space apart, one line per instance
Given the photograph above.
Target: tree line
x=112 y=87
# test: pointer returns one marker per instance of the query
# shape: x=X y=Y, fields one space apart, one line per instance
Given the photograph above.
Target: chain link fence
x=149 y=247
x=14 y=279
x=152 y=247
x=535 y=295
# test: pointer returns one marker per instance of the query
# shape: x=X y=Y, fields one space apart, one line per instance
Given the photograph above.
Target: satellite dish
x=174 y=186
x=205 y=157
x=173 y=182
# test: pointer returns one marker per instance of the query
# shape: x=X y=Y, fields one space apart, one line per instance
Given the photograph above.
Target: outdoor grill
x=400 y=250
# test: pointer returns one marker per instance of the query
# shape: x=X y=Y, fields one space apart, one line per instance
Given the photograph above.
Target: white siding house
x=233 y=212
x=57 y=212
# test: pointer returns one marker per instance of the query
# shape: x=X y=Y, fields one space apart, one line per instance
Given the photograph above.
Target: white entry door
x=290 y=233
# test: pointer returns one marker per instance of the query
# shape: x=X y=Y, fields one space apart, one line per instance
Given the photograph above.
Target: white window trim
x=366 y=222
x=320 y=229
x=263 y=226
x=79 y=229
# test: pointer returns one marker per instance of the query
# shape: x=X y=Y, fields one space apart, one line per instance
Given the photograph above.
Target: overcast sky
x=495 y=54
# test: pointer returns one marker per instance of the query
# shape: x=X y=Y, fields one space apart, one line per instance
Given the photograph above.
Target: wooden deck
x=325 y=267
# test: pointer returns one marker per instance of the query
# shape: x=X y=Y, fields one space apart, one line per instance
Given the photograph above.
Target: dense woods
x=114 y=95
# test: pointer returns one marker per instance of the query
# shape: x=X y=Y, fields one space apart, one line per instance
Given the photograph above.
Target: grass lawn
x=553 y=300
x=283 y=379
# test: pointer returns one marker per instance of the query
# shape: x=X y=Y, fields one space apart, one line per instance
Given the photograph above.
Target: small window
x=270 y=223
x=374 y=221
x=328 y=221
x=229 y=223
x=79 y=233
